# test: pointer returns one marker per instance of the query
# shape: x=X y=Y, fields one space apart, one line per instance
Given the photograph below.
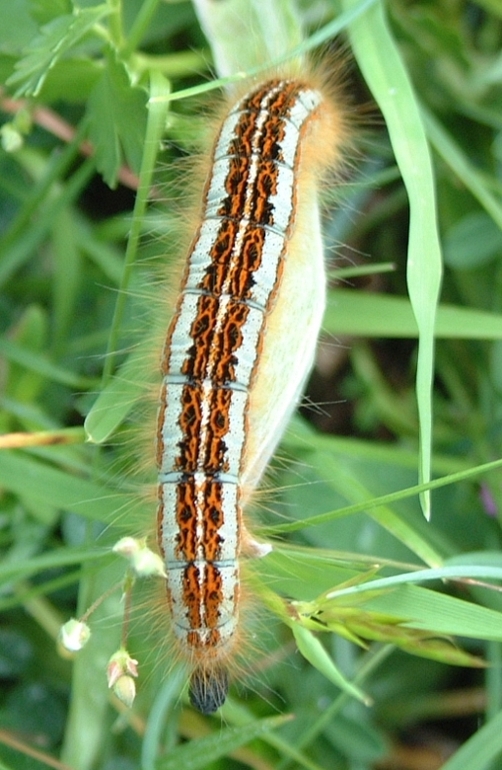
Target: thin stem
x=140 y=26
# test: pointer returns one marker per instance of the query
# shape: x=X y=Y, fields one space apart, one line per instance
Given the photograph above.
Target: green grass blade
x=462 y=167
x=313 y=651
x=380 y=315
x=385 y=74
x=38 y=481
x=62 y=557
x=156 y=123
x=442 y=614
x=481 y=748
x=200 y=753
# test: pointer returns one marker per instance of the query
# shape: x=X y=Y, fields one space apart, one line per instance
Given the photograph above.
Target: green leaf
x=200 y=753
x=35 y=362
x=67 y=274
x=492 y=6
x=44 y=11
x=356 y=625
x=116 y=400
x=472 y=242
x=117 y=121
x=71 y=80
x=345 y=481
x=4 y=766
x=434 y=611
x=61 y=557
x=16 y=26
x=55 y=40
x=461 y=165
x=357 y=739
x=383 y=69
x=313 y=573
x=382 y=315
x=313 y=651
x=407 y=616
x=24 y=475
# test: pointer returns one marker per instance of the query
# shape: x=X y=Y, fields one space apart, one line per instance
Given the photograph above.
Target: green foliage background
x=85 y=97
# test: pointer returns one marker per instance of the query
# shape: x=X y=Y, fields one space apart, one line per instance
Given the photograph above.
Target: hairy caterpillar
x=237 y=353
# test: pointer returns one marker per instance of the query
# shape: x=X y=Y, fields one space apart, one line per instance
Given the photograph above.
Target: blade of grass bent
x=384 y=72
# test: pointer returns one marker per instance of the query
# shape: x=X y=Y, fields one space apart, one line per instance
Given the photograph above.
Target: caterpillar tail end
x=208 y=689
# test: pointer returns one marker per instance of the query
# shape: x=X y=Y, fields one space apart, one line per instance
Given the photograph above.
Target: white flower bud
x=74 y=635
x=144 y=562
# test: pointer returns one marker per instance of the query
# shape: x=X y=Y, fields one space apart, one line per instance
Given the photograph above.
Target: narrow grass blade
x=313 y=651
x=480 y=750
x=431 y=610
x=462 y=167
x=40 y=364
x=156 y=122
x=27 y=476
x=381 y=315
x=380 y=61
x=200 y=753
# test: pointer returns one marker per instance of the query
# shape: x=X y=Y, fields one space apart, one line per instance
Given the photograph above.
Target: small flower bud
x=144 y=562
x=121 y=670
x=74 y=635
x=128 y=546
x=121 y=664
x=147 y=563
x=125 y=690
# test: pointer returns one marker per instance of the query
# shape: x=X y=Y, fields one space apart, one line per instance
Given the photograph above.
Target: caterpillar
x=237 y=353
